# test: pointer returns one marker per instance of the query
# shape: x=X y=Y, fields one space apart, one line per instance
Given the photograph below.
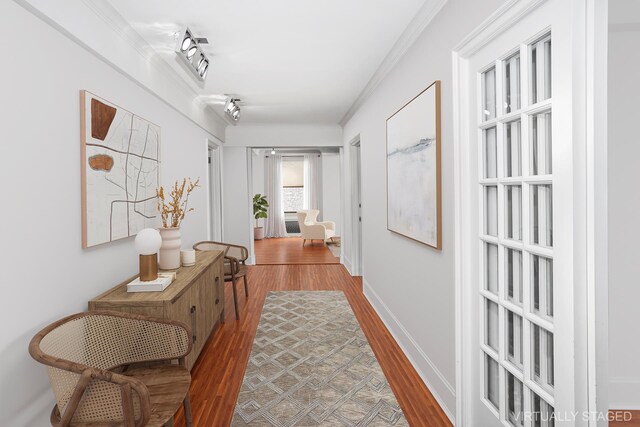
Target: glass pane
x=542 y=349
x=542 y=285
x=490 y=153
x=489 y=94
x=541 y=70
x=542 y=215
x=515 y=401
x=513 y=217
x=491 y=268
x=492 y=392
x=514 y=338
x=542 y=412
x=491 y=210
x=541 y=155
x=491 y=327
x=512 y=146
x=512 y=83
x=513 y=263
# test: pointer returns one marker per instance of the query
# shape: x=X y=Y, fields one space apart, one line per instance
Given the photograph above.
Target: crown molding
x=138 y=60
x=408 y=37
x=119 y=25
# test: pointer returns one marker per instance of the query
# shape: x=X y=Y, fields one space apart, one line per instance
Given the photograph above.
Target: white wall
x=331 y=187
x=46 y=273
x=257 y=165
x=238 y=221
x=99 y=27
x=284 y=135
x=624 y=204
x=411 y=285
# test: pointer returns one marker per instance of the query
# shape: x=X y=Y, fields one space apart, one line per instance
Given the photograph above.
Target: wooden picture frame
x=414 y=169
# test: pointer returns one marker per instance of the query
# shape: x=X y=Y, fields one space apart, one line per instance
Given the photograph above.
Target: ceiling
x=290 y=61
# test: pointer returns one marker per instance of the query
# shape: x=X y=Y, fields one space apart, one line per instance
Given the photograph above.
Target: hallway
x=217 y=376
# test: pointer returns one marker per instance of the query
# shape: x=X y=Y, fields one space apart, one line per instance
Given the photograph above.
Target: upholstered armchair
x=310 y=229
x=113 y=369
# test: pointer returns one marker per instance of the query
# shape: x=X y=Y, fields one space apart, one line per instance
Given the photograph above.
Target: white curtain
x=275 y=226
x=313 y=182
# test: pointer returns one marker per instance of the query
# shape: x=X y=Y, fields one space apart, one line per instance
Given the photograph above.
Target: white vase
x=169 y=255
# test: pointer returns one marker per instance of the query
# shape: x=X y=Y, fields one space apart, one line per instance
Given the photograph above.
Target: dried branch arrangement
x=173 y=212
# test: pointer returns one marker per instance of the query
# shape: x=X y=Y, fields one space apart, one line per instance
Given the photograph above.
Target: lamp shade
x=148 y=241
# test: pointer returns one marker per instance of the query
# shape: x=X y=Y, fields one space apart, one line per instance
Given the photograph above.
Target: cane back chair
x=114 y=369
x=235 y=257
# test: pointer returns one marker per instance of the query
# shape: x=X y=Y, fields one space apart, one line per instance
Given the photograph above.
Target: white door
x=356 y=208
x=215 y=192
x=518 y=318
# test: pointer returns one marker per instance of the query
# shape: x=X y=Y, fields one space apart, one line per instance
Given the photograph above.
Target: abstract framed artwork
x=120 y=165
x=414 y=193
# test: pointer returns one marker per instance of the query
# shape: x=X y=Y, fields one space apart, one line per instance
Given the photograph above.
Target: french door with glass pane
x=514 y=351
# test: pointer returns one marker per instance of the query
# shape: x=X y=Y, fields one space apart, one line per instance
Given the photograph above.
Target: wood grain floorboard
x=289 y=250
x=218 y=373
x=619 y=418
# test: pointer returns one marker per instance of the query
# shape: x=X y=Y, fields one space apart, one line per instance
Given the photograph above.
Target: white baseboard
x=624 y=393
x=438 y=385
x=347 y=264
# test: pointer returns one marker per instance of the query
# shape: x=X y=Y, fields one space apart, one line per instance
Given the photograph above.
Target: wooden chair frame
x=127 y=384
x=237 y=268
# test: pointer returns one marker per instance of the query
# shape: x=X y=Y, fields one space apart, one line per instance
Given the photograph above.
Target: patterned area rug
x=311 y=365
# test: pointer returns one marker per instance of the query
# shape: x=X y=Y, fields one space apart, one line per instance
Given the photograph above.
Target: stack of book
x=160 y=284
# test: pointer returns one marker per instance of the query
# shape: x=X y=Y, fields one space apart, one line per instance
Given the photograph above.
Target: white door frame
x=214 y=196
x=355 y=220
x=589 y=59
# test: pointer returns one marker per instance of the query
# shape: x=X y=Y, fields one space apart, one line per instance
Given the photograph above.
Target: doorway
x=215 y=191
x=356 y=207
x=294 y=180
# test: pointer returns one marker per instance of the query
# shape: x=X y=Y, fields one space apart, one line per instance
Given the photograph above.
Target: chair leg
x=303 y=242
x=187 y=411
x=246 y=288
x=235 y=298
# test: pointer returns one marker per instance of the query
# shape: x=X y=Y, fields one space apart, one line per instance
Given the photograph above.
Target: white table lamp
x=148 y=242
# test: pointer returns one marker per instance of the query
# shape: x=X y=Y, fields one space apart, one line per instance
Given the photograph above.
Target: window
x=292 y=184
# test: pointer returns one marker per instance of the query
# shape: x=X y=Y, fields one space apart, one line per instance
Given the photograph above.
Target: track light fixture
x=232 y=109
x=189 y=50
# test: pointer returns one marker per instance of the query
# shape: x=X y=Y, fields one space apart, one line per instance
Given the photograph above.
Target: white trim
x=505 y=17
x=252 y=255
x=355 y=185
x=623 y=392
x=163 y=82
x=347 y=264
x=415 y=28
x=596 y=47
x=440 y=388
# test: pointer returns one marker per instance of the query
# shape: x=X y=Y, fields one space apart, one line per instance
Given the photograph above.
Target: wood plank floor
x=219 y=371
x=289 y=250
x=620 y=415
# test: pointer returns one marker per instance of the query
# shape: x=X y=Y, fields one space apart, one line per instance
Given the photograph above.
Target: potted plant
x=260 y=206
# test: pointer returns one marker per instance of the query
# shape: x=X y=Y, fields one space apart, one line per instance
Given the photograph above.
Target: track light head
x=192 y=55
x=232 y=109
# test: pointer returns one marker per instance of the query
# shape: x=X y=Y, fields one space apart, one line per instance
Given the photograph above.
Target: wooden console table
x=196 y=298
